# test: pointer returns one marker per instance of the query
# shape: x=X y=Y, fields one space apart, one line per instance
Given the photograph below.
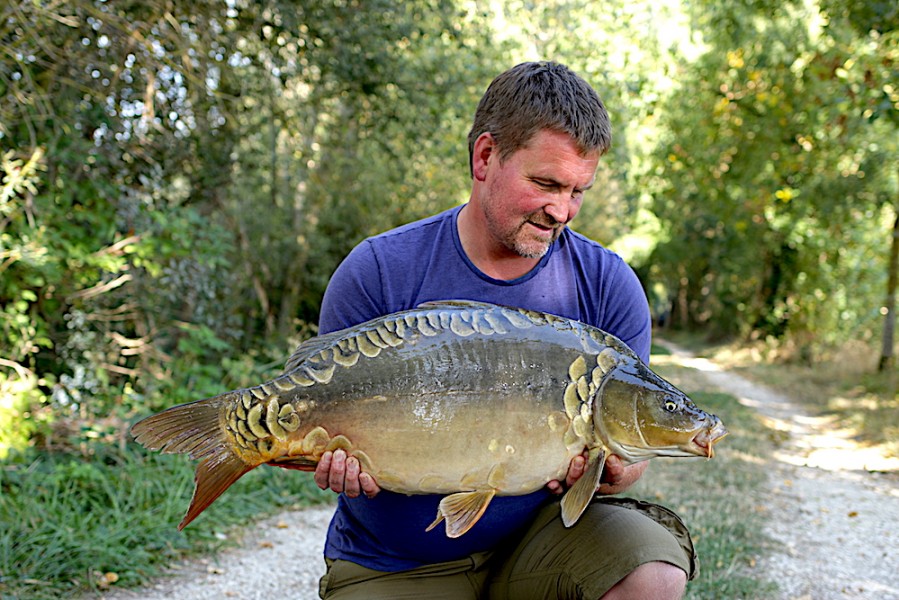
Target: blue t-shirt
x=424 y=261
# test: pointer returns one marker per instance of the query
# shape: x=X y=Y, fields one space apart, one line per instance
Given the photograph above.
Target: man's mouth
x=543 y=226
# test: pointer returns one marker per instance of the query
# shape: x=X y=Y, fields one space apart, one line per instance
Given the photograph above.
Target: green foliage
x=197 y=173
x=68 y=522
x=776 y=158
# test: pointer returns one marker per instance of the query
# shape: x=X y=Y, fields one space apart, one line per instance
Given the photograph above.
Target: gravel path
x=837 y=523
x=280 y=558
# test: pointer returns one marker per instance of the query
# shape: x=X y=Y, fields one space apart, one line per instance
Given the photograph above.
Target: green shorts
x=612 y=538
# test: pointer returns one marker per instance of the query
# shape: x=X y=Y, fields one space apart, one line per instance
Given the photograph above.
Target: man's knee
x=650 y=581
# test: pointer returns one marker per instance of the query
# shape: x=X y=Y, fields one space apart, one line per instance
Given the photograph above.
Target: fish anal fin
x=299 y=463
x=214 y=475
x=575 y=500
x=461 y=511
x=295 y=459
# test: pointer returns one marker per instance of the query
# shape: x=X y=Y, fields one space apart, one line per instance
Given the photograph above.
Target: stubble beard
x=518 y=239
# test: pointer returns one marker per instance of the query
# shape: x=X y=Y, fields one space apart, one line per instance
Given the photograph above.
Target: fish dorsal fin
x=471 y=304
x=462 y=511
x=575 y=500
x=311 y=347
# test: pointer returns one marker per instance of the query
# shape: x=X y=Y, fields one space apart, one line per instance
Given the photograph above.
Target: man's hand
x=616 y=476
x=575 y=471
x=339 y=473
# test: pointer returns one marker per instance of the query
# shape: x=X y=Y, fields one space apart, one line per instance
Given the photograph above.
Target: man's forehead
x=580 y=174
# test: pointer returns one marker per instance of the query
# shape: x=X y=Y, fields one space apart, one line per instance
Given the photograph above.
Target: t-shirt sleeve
x=354 y=293
x=627 y=313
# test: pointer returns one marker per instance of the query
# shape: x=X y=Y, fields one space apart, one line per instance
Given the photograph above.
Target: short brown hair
x=534 y=96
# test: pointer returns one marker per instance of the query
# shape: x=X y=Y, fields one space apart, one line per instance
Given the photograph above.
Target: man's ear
x=484 y=148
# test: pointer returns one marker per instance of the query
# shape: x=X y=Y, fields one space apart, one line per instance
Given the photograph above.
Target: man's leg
x=650 y=581
x=456 y=580
x=617 y=543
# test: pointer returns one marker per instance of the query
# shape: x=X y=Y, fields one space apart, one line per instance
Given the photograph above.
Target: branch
x=101 y=288
x=22 y=372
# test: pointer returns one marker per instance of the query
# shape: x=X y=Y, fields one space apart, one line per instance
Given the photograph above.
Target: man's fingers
x=323 y=471
x=369 y=485
x=337 y=474
x=613 y=470
x=555 y=487
x=575 y=470
x=351 y=478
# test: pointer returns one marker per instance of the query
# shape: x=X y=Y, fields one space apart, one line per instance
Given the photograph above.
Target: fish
x=464 y=399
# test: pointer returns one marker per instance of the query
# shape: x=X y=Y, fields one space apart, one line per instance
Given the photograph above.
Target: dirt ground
x=834 y=509
x=834 y=505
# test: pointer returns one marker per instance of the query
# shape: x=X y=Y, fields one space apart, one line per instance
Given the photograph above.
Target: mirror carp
x=461 y=398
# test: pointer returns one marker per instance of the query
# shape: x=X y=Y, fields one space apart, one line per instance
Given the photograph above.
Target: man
x=537 y=137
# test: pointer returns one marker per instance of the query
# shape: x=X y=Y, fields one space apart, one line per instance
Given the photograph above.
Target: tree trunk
x=290 y=300
x=889 y=306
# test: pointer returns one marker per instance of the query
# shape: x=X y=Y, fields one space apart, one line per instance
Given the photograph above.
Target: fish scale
x=464 y=399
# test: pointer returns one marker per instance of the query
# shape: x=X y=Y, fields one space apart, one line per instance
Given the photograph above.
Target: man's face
x=536 y=192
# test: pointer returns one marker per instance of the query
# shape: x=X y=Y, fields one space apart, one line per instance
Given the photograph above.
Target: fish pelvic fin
x=461 y=511
x=195 y=429
x=576 y=499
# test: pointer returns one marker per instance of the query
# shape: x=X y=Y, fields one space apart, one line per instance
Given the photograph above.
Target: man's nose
x=561 y=209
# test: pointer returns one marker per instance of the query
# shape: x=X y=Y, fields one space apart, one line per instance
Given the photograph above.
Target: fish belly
x=430 y=443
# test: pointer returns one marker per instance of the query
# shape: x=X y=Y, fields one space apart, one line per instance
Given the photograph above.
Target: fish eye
x=671 y=405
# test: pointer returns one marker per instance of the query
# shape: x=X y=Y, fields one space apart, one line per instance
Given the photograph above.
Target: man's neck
x=488 y=255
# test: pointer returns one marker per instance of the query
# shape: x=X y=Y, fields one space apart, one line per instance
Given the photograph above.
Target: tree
x=768 y=180
x=872 y=52
x=172 y=142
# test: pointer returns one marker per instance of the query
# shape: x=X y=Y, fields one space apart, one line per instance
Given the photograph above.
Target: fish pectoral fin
x=462 y=511
x=575 y=500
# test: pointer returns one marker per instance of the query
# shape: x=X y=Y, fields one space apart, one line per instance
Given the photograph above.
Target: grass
x=70 y=526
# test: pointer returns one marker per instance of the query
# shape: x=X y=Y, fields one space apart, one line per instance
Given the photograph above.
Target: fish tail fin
x=214 y=475
x=195 y=429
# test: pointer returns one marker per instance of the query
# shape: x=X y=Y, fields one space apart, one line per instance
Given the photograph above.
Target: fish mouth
x=708 y=437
